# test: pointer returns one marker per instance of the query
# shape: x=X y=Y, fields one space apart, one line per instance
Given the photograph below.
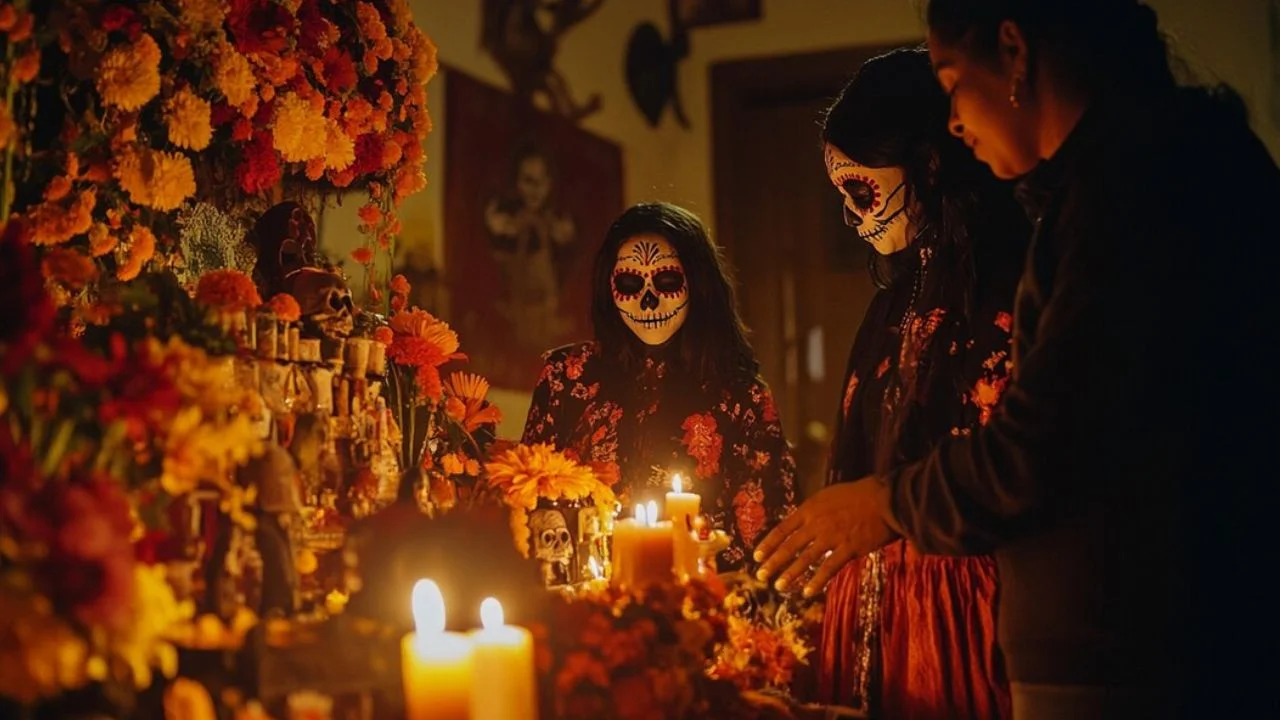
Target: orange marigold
x=101 y=240
x=362 y=255
x=69 y=267
x=8 y=128
x=227 y=290
x=203 y=14
x=233 y=76
x=339 y=148
x=156 y=179
x=422 y=324
x=53 y=224
x=26 y=67
x=298 y=132
x=370 y=214
x=135 y=252
x=284 y=307
x=400 y=284
x=384 y=335
x=187 y=117
x=129 y=74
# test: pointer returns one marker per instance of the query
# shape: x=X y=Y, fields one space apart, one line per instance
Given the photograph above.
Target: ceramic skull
x=552 y=543
x=325 y=300
x=649 y=288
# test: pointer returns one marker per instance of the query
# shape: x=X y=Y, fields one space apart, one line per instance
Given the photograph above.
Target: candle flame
x=653 y=513
x=491 y=617
x=428 y=608
x=677 y=483
x=640 y=515
x=594 y=567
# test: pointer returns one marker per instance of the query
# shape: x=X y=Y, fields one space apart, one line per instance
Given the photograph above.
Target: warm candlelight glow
x=428 y=608
x=491 y=616
x=594 y=567
x=677 y=483
x=653 y=513
x=640 y=516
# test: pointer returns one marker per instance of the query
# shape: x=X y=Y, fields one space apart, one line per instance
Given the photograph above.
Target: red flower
x=703 y=444
x=339 y=71
x=119 y=17
x=259 y=168
x=259 y=26
x=1004 y=321
x=31 y=313
x=748 y=509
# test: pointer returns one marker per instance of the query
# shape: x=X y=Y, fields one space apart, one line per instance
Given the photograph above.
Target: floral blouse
x=729 y=443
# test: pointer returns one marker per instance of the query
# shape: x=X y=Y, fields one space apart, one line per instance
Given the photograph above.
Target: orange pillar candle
x=682 y=507
x=437 y=666
x=643 y=551
x=504 y=683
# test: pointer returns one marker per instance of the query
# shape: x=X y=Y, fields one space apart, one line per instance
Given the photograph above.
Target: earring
x=1013 y=91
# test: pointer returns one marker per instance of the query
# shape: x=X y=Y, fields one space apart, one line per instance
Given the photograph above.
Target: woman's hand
x=839 y=523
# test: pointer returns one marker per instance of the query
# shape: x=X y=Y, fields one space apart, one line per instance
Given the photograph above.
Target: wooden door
x=802 y=278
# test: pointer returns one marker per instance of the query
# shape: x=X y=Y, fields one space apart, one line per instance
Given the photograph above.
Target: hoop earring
x=1013 y=91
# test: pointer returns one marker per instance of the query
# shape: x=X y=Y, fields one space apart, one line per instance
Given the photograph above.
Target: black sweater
x=1126 y=479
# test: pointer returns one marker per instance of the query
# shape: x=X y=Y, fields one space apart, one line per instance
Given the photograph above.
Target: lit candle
x=682 y=507
x=503 y=680
x=437 y=665
x=642 y=549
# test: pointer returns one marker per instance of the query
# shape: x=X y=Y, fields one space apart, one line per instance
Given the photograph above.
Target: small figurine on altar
x=711 y=542
x=278 y=514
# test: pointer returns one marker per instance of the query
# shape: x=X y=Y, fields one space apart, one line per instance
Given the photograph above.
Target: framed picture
x=528 y=197
x=702 y=13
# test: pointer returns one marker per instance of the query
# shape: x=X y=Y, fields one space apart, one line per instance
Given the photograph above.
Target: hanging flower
x=187 y=117
x=156 y=179
x=362 y=255
x=299 y=131
x=227 y=290
x=129 y=74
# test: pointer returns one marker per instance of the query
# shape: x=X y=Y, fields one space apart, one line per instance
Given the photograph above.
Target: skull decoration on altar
x=649 y=288
x=285 y=241
x=553 y=545
x=327 y=308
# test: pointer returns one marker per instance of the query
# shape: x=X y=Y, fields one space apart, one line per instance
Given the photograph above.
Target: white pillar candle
x=682 y=507
x=437 y=666
x=504 y=678
x=642 y=549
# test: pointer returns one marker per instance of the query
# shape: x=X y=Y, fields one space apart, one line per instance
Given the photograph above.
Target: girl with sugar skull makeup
x=905 y=636
x=670 y=383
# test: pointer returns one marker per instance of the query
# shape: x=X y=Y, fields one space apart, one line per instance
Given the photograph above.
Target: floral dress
x=726 y=442
x=907 y=635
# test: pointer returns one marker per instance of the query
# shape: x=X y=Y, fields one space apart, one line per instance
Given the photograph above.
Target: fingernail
x=762 y=575
x=759 y=556
x=781 y=585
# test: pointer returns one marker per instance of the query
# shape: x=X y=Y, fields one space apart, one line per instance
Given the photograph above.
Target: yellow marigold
x=339 y=148
x=135 y=252
x=53 y=223
x=70 y=267
x=525 y=473
x=422 y=324
x=227 y=290
x=156 y=179
x=233 y=76
x=129 y=74
x=187 y=117
x=203 y=14
x=299 y=131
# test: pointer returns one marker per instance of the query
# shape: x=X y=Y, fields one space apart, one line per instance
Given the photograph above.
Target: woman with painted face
x=1126 y=481
x=670 y=383
x=905 y=635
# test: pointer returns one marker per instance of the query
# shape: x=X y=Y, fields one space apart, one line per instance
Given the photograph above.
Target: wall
x=1226 y=39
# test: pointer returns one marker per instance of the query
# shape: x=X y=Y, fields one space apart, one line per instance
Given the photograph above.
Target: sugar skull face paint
x=875 y=200
x=650 y=289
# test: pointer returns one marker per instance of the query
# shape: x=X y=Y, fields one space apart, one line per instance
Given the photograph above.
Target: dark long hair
x=711 y=348
x=892 y=113
x=1099 y=47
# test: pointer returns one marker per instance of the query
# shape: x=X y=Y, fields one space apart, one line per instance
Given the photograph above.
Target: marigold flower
x=53 y=224
x=370 y=214
x=383 y=335
x=362 y=255
x=26 y=67
x=101 y=240
x=70 y=267
x=525 y=473
x=233 y=76
x=422 y=324
x=129 y=74
x=187 y=117
x=135 y=252
x=339 y=148
x=284 y=307
x=227 y=290
x=156 y=179
x=203 y=14
x=8 y=129
x=299 y=132
x=57 y=189
x=399 y=284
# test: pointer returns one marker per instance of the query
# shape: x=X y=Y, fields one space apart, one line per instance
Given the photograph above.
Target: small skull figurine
x=325 y=300
x=553 y=545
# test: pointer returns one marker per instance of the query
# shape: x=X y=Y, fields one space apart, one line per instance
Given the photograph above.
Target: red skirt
x=935 y=654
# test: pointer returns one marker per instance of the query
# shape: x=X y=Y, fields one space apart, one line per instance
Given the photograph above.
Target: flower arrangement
x=767 y=638
x=608 y=653
x=446 y=423
x=162 y=95
x=97 y=440
x=524 y=474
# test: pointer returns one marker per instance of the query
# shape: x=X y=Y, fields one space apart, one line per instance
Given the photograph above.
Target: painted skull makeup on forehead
x=875 y=200
x=650 y=289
